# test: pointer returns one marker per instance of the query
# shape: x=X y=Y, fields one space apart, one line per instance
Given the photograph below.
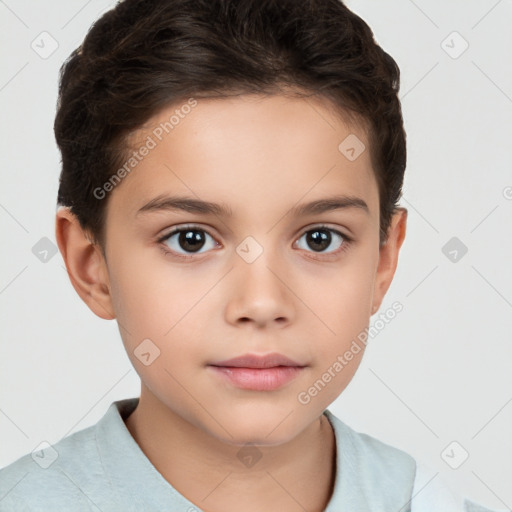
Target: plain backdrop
x=439 y=373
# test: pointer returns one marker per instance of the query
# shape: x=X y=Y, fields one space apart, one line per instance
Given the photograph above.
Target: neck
x=216 y=476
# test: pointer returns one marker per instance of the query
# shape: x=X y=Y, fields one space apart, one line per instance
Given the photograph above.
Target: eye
x=322 y=237
x=187 y=241
x=190 y=239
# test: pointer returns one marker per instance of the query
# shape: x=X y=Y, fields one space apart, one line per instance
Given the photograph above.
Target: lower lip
x=258 y=379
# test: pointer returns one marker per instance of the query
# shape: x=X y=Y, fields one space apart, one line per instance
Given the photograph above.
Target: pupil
x=319 y=239
x=191 y=240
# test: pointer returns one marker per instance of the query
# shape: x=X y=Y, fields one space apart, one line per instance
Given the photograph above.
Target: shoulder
x=432 y=493
x=62 y=476
x=373 y=464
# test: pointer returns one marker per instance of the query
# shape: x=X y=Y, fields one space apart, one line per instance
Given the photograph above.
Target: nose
x=260 y=294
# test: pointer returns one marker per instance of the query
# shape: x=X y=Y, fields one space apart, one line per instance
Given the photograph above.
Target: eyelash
x=346 y=244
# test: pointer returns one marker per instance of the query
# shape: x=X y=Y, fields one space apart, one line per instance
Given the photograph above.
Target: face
x=254 y=273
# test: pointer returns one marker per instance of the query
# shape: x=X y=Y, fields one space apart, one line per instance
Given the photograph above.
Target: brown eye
x=188 y=240
x=321 y=238
x=191 y=240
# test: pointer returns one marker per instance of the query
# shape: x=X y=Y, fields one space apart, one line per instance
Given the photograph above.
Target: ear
x=388 y=256
x=85 y=263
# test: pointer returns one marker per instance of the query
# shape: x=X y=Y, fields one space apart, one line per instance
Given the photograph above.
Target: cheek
x=343 y=298
x=155 y=313
x=162 y=302
x=344 y=307
x=147 y=294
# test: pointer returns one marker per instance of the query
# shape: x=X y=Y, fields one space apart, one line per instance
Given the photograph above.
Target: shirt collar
x=358 y=472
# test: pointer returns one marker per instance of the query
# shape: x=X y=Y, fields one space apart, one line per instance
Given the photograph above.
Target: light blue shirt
x=102 y=469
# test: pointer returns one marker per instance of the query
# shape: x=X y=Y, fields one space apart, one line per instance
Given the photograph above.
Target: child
x=231 y=171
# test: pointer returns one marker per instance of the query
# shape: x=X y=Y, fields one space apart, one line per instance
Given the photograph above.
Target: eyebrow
x=198 y=206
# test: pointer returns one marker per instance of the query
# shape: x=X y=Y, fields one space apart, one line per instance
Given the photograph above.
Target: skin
x=260 y=156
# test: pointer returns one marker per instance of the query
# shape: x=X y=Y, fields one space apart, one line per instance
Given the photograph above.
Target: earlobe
x=85 y=264
x=388 y=256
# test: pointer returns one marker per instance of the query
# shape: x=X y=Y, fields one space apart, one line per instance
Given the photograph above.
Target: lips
x=258 y=372
x=258 y=361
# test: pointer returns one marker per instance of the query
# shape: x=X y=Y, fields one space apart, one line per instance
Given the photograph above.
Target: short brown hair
x=145 y=55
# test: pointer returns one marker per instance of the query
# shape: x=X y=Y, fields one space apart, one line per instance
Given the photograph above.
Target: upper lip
x=258 y=361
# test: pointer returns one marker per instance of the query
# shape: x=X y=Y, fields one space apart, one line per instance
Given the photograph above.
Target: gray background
x=439 y=372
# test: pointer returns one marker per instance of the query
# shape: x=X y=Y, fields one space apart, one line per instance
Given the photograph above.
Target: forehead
x=249 y=152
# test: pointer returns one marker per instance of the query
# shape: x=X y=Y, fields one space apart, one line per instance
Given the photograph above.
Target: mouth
x=258 y=372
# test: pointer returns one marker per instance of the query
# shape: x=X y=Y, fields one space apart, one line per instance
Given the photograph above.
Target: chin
x=260 y=428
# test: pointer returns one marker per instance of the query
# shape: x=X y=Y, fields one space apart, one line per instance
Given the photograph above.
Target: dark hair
x=145 y=55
